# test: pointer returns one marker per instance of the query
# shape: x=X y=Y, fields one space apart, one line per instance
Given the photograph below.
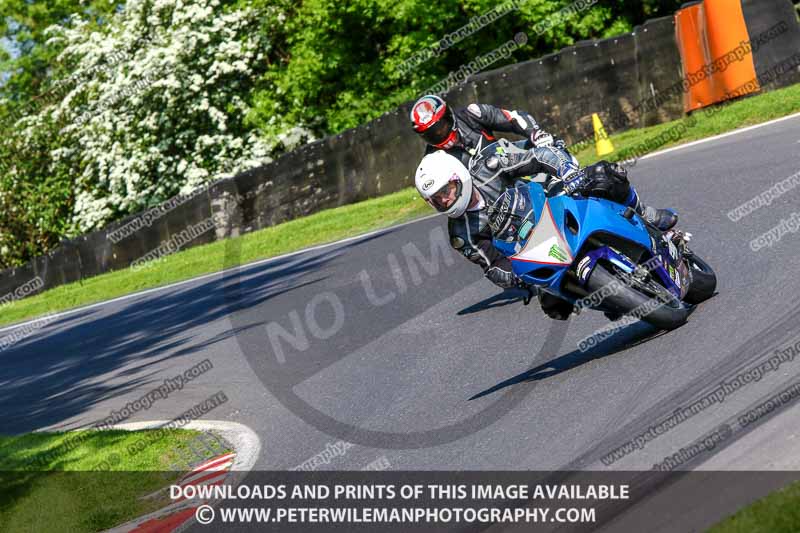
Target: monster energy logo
x=557 y=253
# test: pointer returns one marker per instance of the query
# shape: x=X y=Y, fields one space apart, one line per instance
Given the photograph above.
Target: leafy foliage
x=339 y=61
x=109 y=107
x=23 y=23
x=153 y=106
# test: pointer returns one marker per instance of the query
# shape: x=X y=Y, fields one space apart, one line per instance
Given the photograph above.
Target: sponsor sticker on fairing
x=583 y=268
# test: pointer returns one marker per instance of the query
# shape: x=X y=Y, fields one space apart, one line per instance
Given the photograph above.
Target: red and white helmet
x=445 y=183
x=433 y=120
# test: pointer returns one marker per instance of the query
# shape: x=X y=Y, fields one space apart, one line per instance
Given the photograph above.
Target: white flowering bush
x=151 y=106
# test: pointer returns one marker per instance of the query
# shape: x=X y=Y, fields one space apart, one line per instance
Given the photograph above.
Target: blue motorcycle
x=599 y=254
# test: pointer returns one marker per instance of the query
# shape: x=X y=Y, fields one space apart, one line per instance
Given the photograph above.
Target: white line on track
x=717 y=137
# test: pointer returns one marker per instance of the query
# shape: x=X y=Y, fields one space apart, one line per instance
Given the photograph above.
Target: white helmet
x=445 y=183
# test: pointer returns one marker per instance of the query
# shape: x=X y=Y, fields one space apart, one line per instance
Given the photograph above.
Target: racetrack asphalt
x=426 y=366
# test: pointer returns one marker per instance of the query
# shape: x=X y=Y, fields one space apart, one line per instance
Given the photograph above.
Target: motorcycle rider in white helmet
x=462 y=132
x=464 y=195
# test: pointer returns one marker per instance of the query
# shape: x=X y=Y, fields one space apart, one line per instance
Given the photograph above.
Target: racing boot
x=663 y=219
x=555 y=307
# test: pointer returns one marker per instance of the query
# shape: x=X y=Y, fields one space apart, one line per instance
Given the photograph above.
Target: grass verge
x=354 y=219
x=777 y=513
x=738 y=114
x=67 y=492
x=326 y=226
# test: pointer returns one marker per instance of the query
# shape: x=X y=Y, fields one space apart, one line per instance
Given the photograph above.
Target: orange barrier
x=715 y=53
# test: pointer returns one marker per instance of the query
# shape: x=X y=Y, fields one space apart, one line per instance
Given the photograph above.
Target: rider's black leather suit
x=470 y=233
x=477 y=123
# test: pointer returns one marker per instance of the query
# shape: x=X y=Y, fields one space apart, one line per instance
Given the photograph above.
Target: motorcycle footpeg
x=529 y=294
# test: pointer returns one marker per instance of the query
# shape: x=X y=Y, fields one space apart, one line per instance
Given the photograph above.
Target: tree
x=340 y=61
x=147 y=105
x=22 y=26
x=112 y=107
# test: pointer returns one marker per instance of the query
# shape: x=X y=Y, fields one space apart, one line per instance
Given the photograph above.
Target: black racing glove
x=508 y=280
x=606 y=180
x=505 y=279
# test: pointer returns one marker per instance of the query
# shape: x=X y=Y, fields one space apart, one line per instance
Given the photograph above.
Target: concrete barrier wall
x=612 y=77
x=761 y=15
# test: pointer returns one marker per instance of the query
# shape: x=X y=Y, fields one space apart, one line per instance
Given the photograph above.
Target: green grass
x=777 y=513
x=739 y=114
x=325 y=226
x=354 y=219
x=67 y=493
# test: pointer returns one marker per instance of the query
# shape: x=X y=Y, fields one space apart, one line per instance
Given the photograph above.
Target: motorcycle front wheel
x=649 y=302
x=704 y=281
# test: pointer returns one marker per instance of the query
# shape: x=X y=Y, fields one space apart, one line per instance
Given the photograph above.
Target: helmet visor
x=438 y=132
x=444 y=198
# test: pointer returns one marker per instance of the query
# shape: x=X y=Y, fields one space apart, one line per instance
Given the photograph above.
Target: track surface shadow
x=502 y=299
x=626 y=338
x=70 y=366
